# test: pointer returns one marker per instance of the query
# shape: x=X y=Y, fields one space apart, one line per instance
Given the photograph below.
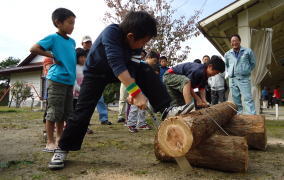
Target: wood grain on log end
x=174 y=137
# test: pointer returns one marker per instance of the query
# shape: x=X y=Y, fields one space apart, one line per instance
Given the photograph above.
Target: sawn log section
x=226 y=153
x=177 y=135
x=250 y=126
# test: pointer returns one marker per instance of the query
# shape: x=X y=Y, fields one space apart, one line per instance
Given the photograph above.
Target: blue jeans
x=102 y=109
x=241 y=87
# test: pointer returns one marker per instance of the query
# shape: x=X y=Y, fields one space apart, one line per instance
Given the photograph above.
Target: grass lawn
x=114 y=153
x=275 y=128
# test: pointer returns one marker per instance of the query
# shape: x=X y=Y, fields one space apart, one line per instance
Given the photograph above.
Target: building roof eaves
x=27 y=60
x=21 y=69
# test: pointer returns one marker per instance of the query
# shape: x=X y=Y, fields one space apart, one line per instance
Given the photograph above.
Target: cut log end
x=175 y=138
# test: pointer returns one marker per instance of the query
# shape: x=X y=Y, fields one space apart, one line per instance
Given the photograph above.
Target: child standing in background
x=81 y=56
x=136 y=119
x=61 y=76
x=123 y=106
x=164 y=66
x=47 y=62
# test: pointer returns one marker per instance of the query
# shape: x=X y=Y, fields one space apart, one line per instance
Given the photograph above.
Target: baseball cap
x=86 y=39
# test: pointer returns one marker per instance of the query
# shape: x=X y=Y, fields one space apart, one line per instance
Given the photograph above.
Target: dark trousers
x=74 y=104
x=92 y=89
x=45 y=112
x=217 y=96
x=208 y=95
x=277 y=101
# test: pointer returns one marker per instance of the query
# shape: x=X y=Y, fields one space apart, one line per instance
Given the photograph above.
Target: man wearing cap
x=87 y=43
x=101 y=106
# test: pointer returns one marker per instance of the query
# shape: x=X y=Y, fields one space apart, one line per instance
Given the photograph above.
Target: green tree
x=20 y=92
x=173 y=29
x=111 y=92
x=4 y=80
x=8 y=62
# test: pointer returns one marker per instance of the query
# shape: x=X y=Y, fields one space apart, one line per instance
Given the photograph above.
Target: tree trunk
x=250 y=126
x=177 y=135
x=226 y=153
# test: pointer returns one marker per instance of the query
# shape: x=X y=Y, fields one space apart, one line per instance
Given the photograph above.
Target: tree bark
x=177 y=135
x=226 y=153
x=250 y=126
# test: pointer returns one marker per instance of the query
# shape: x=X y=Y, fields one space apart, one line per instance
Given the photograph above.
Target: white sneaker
x=57 y=161
x=177 y=110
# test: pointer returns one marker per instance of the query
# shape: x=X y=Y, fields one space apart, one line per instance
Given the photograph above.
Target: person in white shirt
x=217 y=85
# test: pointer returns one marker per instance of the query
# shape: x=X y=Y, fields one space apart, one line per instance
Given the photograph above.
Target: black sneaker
x=177 y=110
x=121 y=120
x=89 y=131
x=57 y=160
x=106 y=123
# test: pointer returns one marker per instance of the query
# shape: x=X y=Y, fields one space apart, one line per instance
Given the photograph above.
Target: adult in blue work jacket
x=240 y=62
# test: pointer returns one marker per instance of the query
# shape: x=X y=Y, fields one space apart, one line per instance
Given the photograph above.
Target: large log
x=226 y=153
x=177 y=135
x=250 y=126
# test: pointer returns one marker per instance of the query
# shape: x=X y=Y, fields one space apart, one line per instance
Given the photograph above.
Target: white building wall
x=32 y=78
x=37 y=59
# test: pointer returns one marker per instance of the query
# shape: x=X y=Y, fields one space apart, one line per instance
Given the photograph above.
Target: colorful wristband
x=133 y=89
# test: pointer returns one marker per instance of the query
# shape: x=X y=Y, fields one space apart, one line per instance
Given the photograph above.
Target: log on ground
x=177 y=135
x=250 y=126
x=225 y=153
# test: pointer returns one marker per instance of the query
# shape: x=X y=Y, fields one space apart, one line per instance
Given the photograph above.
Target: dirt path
x=16 y=143
x=274 y=141
x=111 y=153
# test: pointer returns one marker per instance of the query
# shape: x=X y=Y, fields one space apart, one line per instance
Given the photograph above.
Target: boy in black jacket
x=116 y=55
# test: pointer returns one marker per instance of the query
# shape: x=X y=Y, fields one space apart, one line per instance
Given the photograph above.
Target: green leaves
x=111 y=92
x=8 y=62
x=20 y=92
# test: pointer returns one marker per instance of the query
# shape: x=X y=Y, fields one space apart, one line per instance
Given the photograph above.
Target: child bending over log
x=181 y=79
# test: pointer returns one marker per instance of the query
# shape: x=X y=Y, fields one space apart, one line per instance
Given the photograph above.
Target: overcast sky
x=24 y=22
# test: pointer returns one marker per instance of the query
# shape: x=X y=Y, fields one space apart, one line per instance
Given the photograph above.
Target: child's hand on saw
x=139 y=100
